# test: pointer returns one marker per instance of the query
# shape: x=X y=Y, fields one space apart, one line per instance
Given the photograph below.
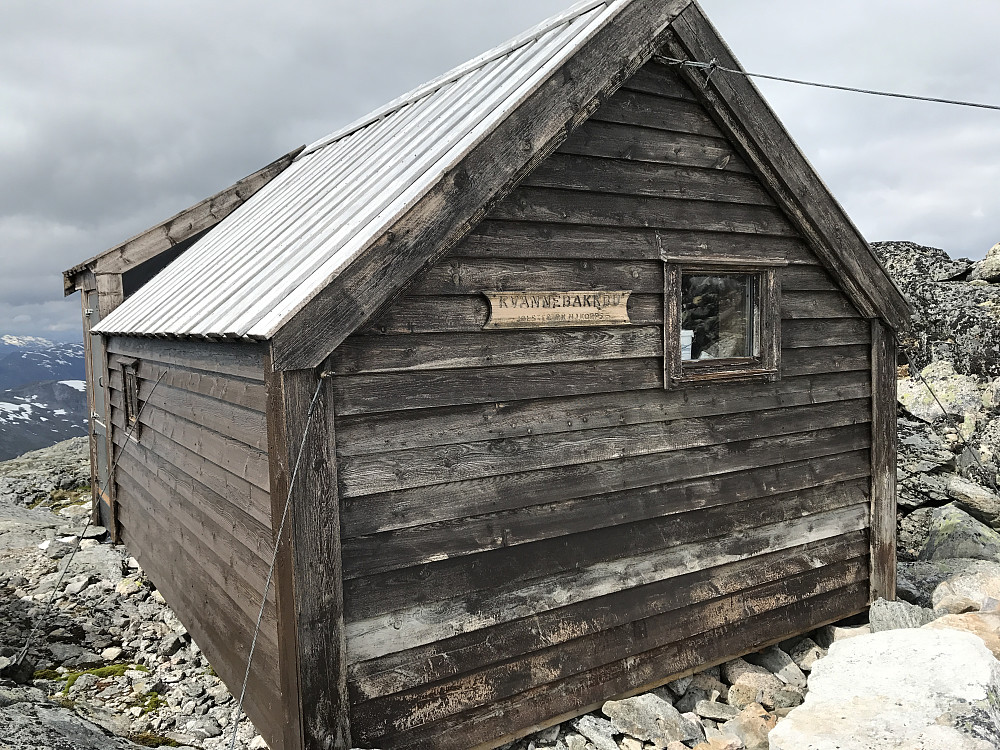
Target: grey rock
x=912 y=534
x=203 y=728
x=988 y=269
x=805 y=653
x=679 y=686
x=650 y=718
x=703 y=687
x=980 y=585
x=751 y=727
x=170 y=645
x=597 y=730
x=29 y=726
x=954 y=533
x=886 y=615
x=78 y=584
x=916 y=581
x=954 y=320
x=20 y=672
x=959 y=394
x=933 y=689
x=780 y=664
x=980 y=503
x=715 y=711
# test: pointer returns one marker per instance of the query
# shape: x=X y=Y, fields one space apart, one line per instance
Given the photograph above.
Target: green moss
x=150 y=702
x=47 y=674
x=148 y=739
x=60 y=499
x=112 y=670
x=64 y=702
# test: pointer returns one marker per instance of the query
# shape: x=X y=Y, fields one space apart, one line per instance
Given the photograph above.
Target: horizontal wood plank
x=622 y=177
x=603 y=209
x=417 y=545
x=469 y=313
x=566 y=582
x=657 y=78
x=403 y=712
x=587 y=691
x=361 y=394
x=816 y=333
x=460 y=275
x=811 y=361
x=409 y=668
x=242 y=491
x=521 y=239
x=495 y=348
x=617 y=141
x=377 y=433
x=225 y=563
x=631 y=107
x=433 y=503
x=242 y=360
x=386 y=472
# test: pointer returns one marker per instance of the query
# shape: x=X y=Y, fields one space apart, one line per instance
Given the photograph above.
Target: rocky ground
x=111 y=667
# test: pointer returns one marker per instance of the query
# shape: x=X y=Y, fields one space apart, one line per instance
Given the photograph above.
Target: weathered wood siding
x=194 y=504
x=530 y=522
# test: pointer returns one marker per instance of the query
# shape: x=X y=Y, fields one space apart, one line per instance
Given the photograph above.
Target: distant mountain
x=41 y=414
x=28 y=359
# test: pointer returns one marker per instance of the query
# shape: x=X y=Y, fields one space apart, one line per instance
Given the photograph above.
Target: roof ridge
x=425 y=89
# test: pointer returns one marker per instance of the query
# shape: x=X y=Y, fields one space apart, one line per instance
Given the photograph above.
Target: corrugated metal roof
x=276 y=252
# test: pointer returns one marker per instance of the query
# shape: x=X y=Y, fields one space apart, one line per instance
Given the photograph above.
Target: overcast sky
x=115 y=114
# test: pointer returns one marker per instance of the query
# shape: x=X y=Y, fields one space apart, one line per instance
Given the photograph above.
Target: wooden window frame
x=766 y=319
x=131 y=405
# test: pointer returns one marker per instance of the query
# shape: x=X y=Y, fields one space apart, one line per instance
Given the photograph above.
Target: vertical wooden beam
x=110 y=292
x=883 y=457
x=310 y=591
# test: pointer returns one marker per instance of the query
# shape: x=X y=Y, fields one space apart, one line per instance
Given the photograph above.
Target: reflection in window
x=717 y=316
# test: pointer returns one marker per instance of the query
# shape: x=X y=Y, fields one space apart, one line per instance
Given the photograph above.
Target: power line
x=712 y=67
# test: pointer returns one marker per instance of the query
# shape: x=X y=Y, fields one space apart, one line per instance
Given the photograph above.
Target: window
x=130 y=391
x=722 y=321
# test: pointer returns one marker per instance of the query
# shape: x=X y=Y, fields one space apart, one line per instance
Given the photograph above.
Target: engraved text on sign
x=557 y=309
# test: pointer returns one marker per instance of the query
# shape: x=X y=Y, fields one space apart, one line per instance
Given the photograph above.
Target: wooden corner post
x=883 y=455
x=308 y=575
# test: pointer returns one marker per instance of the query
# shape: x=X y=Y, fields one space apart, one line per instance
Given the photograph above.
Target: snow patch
x=80 y=385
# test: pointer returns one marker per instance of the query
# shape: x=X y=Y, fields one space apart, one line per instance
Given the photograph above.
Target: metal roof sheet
x=265 y=261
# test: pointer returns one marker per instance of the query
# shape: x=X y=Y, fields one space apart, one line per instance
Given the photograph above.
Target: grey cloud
x=116 y=114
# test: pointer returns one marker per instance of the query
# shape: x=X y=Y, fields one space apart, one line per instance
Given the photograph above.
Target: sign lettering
x=557 y=309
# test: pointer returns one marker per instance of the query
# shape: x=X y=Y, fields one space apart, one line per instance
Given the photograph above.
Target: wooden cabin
x=592 y=379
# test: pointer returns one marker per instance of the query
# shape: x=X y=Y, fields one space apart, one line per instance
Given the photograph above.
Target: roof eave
x=178 y=228
x=465 y=193
x=744 y=115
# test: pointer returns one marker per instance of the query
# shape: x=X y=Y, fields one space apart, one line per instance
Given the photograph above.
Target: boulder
x=751 y=727
x=986 y=625
x=650 y=718
x=936 y=689
x=980 y=585
x=954 y=533
x=980 y=503
x=988 y=269
x=953 y=319
x=958 y=394
x=886 y=615
x=917 y=581
x=597 y=730
x=780 y=664
x=805 y=652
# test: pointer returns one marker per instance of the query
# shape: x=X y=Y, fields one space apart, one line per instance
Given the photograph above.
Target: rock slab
x=895 y=690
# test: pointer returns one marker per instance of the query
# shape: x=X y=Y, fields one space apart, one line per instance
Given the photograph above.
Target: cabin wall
x=530 y=522
x=193 y=503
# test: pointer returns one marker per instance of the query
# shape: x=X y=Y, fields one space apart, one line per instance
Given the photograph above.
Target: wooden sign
x=557 y=309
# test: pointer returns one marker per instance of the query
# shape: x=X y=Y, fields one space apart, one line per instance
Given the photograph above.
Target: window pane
x=716 y=316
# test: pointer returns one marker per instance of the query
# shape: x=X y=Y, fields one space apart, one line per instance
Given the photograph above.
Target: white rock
x=889 y=690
